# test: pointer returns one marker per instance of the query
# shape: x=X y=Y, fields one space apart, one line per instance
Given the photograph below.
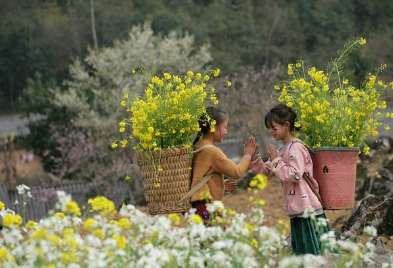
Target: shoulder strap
x=307 y=178
x=195 y=188
x=312 y=187
x=298 y=140
x=199 y=184
x=203 y=148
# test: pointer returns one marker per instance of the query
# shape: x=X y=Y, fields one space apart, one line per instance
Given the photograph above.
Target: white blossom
x=22 y=188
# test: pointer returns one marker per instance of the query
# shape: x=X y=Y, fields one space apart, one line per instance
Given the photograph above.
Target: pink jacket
x=289 y=167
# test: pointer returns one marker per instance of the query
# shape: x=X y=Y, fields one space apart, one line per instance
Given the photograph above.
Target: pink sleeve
x=299 y=162
x=259 y=167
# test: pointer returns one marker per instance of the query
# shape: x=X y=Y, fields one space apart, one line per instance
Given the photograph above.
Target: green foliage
x=43 y=36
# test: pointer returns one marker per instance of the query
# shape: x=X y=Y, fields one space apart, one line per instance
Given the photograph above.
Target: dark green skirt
x=305 y=238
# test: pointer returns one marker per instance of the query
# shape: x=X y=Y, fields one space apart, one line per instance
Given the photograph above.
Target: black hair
x=215 y=113
x=280 y=114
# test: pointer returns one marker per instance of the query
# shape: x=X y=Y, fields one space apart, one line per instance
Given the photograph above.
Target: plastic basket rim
x=335 y=148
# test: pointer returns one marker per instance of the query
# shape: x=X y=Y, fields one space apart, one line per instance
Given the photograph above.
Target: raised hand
x=272 y=152
x=250 y=146
x=252 y=138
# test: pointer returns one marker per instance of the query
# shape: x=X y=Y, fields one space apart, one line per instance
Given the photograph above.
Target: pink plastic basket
x=335 y=171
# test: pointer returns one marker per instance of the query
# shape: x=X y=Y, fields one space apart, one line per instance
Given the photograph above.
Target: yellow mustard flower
x=72 y=207
x=196 y=219
x=329 y=106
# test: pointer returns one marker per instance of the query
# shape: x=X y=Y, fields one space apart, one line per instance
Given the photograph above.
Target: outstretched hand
x=272 y=152
x=250 y=147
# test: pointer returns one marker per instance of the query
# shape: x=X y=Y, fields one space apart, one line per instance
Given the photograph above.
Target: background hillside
x=44 y=36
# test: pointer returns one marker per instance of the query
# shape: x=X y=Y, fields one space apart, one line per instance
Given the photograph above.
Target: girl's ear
x=287 y=124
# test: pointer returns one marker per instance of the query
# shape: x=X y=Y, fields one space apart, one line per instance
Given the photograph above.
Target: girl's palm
x=272 y=152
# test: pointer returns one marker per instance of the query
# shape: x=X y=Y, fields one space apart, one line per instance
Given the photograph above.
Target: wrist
x=247 y=156
x=257 y=155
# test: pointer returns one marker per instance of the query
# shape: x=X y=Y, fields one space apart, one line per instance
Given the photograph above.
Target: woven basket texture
x=175 y=179
x=335 y=172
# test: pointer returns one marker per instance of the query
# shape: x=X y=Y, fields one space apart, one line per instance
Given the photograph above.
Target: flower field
x=101 y=236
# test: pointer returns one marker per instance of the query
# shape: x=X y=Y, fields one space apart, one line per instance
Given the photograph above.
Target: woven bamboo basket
x=175 y=179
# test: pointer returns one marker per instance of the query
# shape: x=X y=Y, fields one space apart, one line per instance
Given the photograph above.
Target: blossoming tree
x=84 y=110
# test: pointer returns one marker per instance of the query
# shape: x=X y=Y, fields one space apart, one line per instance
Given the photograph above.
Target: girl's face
x=279 y=131
x=221 y=130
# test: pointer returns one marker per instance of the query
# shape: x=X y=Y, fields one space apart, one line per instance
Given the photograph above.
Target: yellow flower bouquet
x=331 y=111
x=334 y=118
x=168 y=115
x=164 y=123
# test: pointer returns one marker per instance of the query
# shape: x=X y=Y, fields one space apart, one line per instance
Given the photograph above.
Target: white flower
x=322 y=222
x=290 y=262
x=349 y=246
x=313 y=261
x=197 y=261
x=63 y=198
x=237 y=225
x=307 y=260
x=21 y=188
x=11 y=236
x=388 y=265
x=309 y=213
x=215 y=206
x=219 y=259
x=218 y=245
x=370 y=230
x=257 y=216
x=329 y=239
x=242 y=250
x=249 y=262
x=6 y=211
x=368 y=254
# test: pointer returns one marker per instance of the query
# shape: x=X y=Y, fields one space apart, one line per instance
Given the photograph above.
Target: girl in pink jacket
x=288 y=163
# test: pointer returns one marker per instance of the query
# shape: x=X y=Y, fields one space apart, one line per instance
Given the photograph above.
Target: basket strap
x=195 y=188
x=312 y=186
x=203 y=148
x=199 y=184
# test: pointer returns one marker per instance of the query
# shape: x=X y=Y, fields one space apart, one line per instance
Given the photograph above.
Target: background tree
x=44 y=36
x=81 y=117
